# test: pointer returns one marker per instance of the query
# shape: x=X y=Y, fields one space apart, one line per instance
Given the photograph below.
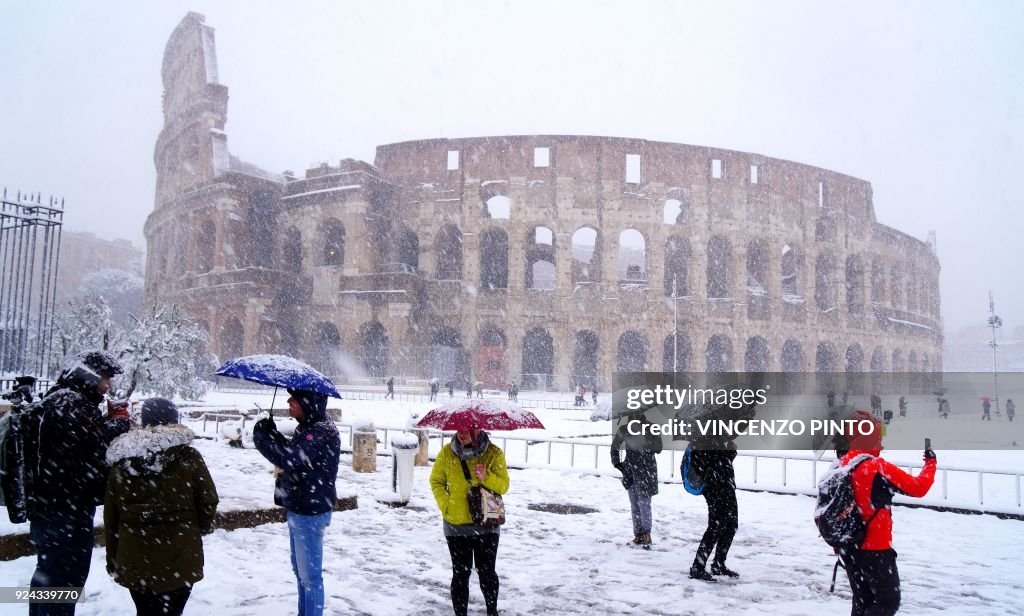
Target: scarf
x=468 y=452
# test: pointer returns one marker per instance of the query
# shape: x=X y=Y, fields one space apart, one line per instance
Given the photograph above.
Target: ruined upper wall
x=604 y=159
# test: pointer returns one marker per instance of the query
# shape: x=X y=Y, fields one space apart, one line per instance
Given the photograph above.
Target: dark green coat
x=160 y=499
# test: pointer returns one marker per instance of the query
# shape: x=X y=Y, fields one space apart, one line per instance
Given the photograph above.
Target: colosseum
x=549 y=260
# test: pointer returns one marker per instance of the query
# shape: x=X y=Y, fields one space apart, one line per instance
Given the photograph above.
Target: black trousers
x=163 y=604
x=874 y=580
x=464 y=550
x=723 y=520
x=63 y=543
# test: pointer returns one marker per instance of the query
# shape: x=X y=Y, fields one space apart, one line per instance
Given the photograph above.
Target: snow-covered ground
x=380 y=560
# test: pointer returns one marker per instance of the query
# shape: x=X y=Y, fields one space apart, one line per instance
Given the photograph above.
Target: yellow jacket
x=449 y=485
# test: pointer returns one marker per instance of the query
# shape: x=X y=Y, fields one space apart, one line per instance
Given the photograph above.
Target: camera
x=22 y=392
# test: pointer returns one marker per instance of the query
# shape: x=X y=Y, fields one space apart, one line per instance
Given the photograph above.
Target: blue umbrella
x=278 y=371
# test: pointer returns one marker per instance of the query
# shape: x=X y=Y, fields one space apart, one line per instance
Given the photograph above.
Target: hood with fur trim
x=146 y=448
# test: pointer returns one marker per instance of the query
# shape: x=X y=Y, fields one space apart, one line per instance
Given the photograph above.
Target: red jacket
x=874 y=483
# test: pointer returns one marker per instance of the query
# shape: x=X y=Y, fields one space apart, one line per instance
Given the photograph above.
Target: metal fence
x=958 y=487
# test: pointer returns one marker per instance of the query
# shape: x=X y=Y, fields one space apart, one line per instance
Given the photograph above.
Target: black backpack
x=19 y=453
x=837 y=515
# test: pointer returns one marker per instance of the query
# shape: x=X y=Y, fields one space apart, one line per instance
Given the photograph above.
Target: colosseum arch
x=854 y=284
x=911 y=292
x=491 y=368
x=676 y=353
x=825 y=283
x=757 y=268
x=855 y=368
x=825 y=358
x=448 y=358
x=718 y=354
x=877 y=282
x=878 y=370
x=206 y=245
x=757 y=357
x=790 y=271
x=237 y=247
x=896 y=287
x=538 y=363
x=409 y=250
x=585 y=351
x=540 y=259
x=332 y=242
x=719 y=268
x=913 y=373
x=586 y=255
x=232 y=337
x=632 y=352
x=791 y=363
x=291 y=250
x=494 y=259
x=677 y=262
x=326 y=348
x=498 y=207
x=373 y=348
x=448 y=251
x=631 y=263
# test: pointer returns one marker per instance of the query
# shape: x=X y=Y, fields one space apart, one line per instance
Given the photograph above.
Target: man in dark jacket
x=712 y=460
x=71 y=473
x=305 y=487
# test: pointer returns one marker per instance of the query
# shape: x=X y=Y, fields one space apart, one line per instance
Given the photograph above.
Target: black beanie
x=159 y=412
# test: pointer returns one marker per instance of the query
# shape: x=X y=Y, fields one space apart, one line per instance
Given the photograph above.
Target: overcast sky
x=922 y=99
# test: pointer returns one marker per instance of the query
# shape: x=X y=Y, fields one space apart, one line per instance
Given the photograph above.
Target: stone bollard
x=364 y=448
x=422 y=454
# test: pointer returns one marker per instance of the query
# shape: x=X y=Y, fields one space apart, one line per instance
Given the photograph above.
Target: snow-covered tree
x=162 y=352
x=166 y=354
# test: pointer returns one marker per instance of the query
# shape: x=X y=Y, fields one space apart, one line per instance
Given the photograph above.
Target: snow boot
x=645 y=541
x=698 y=573
x=721 y=569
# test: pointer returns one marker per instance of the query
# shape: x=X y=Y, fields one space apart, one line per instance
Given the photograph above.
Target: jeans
x=306 y=534
x=63 y=543
x=464 y=550
x=640 y=505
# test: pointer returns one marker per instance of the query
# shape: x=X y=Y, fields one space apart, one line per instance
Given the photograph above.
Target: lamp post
x=994 y=322
x=675 y=326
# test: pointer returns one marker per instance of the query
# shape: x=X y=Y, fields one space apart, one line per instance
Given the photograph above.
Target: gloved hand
x=929 y=454
x=265 y=425
x=263 y=415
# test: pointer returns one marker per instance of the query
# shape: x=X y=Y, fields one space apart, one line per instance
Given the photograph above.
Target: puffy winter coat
x=640 y=467
x=160 y=499
x=449 y=485
x=713 y=463
x=71 y=451
x=875 y=481
x=308 y=462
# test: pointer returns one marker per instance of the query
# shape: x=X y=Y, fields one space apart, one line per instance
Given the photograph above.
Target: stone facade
x=545 y=259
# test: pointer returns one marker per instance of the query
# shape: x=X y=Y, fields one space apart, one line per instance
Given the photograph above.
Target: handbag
x=485 y=507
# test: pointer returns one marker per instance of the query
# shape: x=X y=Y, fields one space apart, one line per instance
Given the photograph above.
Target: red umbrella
x=481 y=415
x=986 y=399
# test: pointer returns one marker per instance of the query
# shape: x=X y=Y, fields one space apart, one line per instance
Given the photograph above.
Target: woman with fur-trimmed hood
x=160 y=499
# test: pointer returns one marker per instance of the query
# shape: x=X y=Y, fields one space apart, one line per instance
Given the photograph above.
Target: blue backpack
x=692 y=482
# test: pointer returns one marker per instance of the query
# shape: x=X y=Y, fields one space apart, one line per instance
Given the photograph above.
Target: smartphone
x=927 y=444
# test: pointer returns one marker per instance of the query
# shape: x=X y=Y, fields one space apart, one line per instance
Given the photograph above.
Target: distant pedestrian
x=887 y=416
x=391 y=388
x=831 y=398
x=876 y=405
x=593 y=395
x=469 y=389
x=451 y=389
x=1011 y=410
x=639 y=475
x=944 y=408
x=433 y=391
x=515 y=392
x=479 y=389
x=986 y=410
x=903 y=406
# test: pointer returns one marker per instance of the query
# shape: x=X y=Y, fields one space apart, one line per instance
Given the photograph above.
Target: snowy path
x=386 y=561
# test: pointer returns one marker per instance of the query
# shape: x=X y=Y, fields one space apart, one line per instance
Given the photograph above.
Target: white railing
x=960 y=487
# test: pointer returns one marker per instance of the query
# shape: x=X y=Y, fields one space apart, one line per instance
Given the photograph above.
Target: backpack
x=692 y=482
x=19 y=445
x=837 y=515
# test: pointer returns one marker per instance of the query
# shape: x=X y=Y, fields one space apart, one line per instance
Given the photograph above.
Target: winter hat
x=312 y=403
x=100 y=362
x=159 y=412
x=872 y=441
